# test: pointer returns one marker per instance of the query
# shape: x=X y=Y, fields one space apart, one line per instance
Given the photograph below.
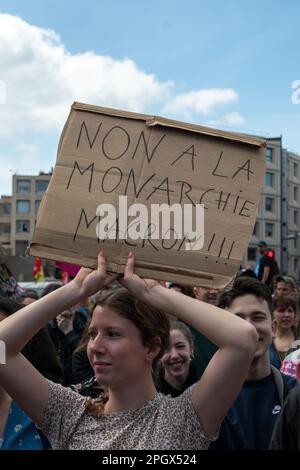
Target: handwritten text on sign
x=124 y=179
x=114 y=168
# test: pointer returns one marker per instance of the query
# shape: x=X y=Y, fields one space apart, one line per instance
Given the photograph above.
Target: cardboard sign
x=105 y=153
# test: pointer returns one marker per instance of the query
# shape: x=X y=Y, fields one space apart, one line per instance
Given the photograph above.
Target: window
x=23 y=186
x=251 y=254
x=269 y=229
x=269 y=179
x=295 y=217
x=41 y=186
x=21 y=247
x=23 y=207
x=4 y=229
x=295 y=169
x=269 y=204
x=269 y=154
x=7 y=248
x=296 y=264
x=255 y=230
x=37 y=206
x=22 y=226
x=295 y=193
x=6 y=209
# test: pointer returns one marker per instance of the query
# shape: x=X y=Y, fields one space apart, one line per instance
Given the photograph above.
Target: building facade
x=5 y=224
x=278 y=218
x=293 y=215
x=24 y=203
x=268 y=221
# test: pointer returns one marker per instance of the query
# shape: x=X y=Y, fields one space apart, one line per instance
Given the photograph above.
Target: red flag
x=38 y=271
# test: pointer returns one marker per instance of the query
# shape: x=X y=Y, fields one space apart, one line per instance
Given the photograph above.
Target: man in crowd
x=267 y=267
x=251 y=419
x=284 y=286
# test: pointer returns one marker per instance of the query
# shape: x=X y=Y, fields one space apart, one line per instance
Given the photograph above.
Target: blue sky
x=228 y=64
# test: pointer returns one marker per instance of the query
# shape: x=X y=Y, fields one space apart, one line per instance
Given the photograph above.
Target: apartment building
x=268 y=222
x=27 y=194
x=292 y=241
x=278 y=218
x=5 y=223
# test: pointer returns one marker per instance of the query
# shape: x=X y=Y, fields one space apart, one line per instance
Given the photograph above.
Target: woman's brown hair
x=153 y=325
x=282 y=303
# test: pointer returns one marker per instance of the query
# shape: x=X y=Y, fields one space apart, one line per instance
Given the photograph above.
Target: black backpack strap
x=279 y=383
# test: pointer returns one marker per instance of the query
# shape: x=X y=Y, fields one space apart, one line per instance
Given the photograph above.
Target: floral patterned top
x=20 y=432
x=162 y=423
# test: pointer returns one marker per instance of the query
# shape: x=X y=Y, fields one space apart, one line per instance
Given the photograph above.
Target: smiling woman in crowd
x=284 y=328
x=177 y=370
x=129 y=332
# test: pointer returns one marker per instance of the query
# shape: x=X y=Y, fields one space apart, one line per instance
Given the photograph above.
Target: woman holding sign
x=128 y=333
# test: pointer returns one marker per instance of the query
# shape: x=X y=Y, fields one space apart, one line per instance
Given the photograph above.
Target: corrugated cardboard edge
x=193 y=278
x=110 y=111
x=160 y=121
x=243 y=138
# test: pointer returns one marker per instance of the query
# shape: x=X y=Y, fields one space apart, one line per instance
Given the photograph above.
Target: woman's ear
x=153 y=349
x=192 y=355
x=274 y=327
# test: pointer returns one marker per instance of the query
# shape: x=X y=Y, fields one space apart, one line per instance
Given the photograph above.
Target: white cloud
x=2 y=92
x=42 y=79
x=234 y=119
x=201 y=101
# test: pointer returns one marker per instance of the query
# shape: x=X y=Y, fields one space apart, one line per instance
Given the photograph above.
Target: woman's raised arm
x=20 y=379
x=236 y=339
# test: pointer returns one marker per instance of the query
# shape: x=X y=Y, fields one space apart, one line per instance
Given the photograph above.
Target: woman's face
x=115 y=349
x=284 y=318
x=176 y=359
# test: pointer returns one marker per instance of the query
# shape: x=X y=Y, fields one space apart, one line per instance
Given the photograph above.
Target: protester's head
x=262 y=247
x=177 y=357
x=284 y=313
x=210 y=295
x=8 y=306
x=186 y=290
x=251 y=300
x=246 y=273
x=28 y=296
x=50 y=288
x=177 y=287
x=284 y=286
x=127 y=337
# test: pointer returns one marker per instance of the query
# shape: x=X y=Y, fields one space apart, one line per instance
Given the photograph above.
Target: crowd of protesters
x=109 y=362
